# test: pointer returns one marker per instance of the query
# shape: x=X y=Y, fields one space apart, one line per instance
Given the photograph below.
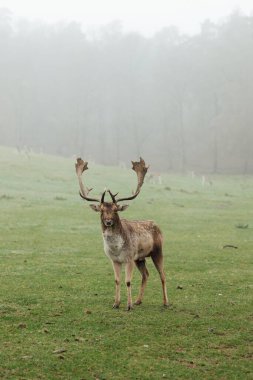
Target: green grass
x=57 y=286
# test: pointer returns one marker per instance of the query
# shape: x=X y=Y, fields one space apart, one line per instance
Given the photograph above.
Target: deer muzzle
x=108 y=222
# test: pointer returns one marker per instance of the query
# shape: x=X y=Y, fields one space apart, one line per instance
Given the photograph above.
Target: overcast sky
x=145 y=16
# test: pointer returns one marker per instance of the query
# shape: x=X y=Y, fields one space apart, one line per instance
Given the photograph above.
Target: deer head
x=109 y=210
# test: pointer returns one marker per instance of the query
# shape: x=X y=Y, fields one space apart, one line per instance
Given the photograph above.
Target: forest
x=184 y=102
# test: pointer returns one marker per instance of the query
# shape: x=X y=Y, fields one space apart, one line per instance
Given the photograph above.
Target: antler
x=81 y=166
x=141 y=169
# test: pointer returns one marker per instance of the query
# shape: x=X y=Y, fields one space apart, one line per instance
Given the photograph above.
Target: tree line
x=183 y=102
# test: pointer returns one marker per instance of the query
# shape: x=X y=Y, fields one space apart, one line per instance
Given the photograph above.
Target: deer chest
x=114 y=246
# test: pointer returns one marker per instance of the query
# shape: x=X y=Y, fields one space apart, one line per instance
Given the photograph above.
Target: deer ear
x=122 y=208
x=95 y=207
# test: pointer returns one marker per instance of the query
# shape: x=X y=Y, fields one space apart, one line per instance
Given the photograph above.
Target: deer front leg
x=117 y=271
x=128 y=278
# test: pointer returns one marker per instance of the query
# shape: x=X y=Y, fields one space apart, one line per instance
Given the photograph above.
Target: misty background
x=183 y=102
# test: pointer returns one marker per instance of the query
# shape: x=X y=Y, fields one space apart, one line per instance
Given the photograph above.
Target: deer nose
x=108 y=222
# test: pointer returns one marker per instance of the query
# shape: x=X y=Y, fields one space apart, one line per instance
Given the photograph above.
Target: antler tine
x=113 y=196
x=141 y=169
x=81 y=166
x=103 y=197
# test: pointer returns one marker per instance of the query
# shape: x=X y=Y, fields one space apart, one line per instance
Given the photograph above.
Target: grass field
x=57 y=286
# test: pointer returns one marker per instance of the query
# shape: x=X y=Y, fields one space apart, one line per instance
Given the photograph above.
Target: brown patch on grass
x=225 y=349
x=248 y=356
x=187 y=363
x=180 y=350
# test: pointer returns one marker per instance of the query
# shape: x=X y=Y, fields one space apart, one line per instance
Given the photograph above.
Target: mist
x=184 y=102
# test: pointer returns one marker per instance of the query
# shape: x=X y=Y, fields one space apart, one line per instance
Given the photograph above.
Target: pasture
x=57 y=286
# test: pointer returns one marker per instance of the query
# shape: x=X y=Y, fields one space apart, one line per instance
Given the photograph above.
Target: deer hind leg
x=157 y=258
x=141 y=265
x=117 y=270
x=129 y=272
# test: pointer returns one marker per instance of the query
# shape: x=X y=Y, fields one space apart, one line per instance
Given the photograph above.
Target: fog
x=183 y=101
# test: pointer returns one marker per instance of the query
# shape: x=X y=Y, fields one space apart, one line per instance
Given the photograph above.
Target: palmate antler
x=141 y=169
x=81 y=166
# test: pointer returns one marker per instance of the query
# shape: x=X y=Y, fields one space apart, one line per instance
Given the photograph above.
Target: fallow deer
x=127 y=242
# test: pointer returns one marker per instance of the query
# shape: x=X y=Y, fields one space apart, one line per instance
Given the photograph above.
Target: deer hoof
x=115 y=306
x=129 y=307
x=166 y=305
x=138 y=302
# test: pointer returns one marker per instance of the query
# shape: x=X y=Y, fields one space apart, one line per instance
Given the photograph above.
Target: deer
x=126 y=242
